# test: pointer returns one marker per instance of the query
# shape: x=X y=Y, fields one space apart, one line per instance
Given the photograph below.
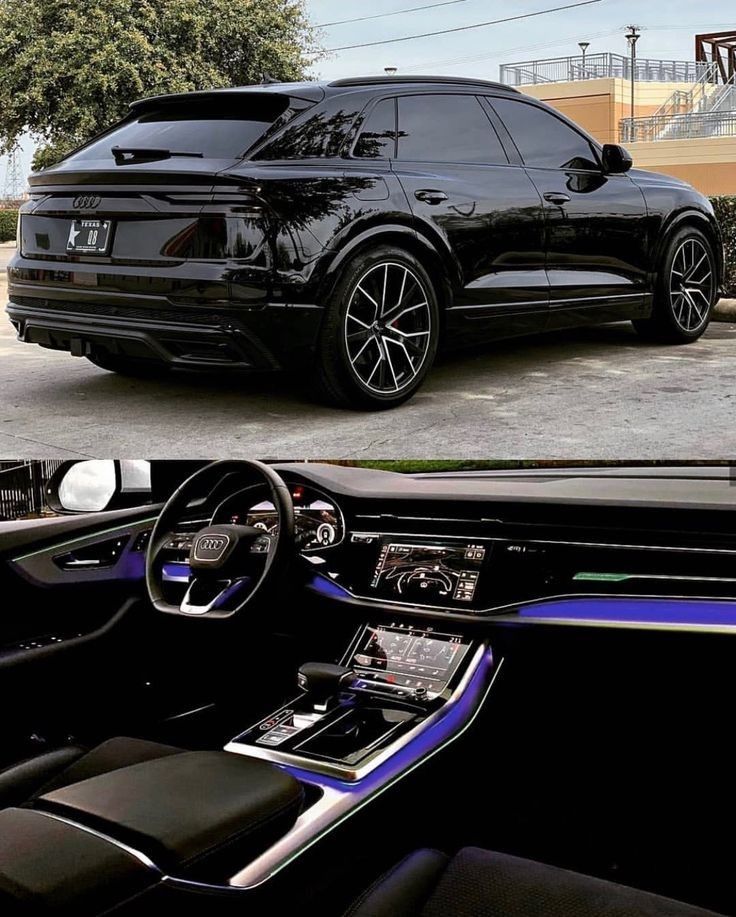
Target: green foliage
x=725 y=208
x=8 y=225
x=71 y=67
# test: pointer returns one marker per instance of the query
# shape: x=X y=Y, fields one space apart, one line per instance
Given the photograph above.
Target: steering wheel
x=229 y=564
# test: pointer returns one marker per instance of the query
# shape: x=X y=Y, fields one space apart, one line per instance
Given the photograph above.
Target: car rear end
x=152 y=242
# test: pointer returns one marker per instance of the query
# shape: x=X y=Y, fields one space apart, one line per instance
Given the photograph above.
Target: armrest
x=195 y=813
x=49 y=867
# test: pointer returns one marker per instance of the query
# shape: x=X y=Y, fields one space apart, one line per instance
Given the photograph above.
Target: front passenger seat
x=23 y=782
x=478 y=883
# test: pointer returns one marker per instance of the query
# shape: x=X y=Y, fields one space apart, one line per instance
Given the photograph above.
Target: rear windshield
x=214 y=130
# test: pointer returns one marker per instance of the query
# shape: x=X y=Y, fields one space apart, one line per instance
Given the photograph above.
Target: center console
x=350 y=717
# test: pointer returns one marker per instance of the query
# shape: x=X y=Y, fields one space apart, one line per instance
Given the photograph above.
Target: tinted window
x=215 y=130
x=378 y=138
x=543 y=139
x=320 y=135
x=447 y=128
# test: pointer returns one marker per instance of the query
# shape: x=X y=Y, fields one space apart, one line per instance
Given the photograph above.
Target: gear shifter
x=323 y=682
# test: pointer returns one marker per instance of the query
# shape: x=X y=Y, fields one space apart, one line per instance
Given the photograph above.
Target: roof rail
x=400 y=78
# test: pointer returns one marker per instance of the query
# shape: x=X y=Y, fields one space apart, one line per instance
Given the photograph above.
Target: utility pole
x=632 y=36
x=14 y=185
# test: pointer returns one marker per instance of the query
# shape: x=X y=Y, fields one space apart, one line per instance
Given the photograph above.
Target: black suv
x=346 y=229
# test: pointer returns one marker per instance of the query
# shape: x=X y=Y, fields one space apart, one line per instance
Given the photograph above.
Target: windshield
x=217 y=131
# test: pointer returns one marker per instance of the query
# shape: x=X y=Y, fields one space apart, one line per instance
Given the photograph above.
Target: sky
x=668 y=27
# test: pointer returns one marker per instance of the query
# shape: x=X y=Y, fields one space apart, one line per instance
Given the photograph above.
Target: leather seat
x=52 y=770
x=478 y=883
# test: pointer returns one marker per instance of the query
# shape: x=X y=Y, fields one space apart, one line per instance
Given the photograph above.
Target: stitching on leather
x=358 y=903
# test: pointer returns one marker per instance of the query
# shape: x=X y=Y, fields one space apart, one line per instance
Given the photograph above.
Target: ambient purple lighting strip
x=684 y=612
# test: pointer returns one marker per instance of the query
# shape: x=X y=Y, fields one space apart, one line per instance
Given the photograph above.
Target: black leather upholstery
x=57 y=768
x=48 y=867
x=192 y=812
x=20 y=781
x=478 y=883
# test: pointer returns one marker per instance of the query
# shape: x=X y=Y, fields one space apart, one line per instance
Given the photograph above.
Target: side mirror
x=616 y=159
x=99 y=484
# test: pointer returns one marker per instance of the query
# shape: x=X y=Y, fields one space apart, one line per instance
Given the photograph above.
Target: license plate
x=89 y=237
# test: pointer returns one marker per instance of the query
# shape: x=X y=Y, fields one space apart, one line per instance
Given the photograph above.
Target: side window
x=378 y=138
x=447 y=128
x=544 y=140
x=320 y=135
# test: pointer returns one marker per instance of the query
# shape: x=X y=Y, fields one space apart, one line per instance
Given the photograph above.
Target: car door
x=81 y=653
x=596 y=224
x=480 y=211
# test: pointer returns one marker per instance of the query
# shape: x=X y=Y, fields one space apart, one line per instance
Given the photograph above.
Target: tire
x=129 y=366
x=685 y=291
x=362 y=360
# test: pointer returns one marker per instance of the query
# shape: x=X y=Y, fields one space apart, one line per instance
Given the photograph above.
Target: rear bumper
x=269 y=337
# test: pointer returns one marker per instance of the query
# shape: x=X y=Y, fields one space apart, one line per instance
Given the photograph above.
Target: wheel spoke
x=354 y=359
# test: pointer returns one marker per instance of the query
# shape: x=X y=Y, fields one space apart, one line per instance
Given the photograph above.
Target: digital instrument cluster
x=318 y=521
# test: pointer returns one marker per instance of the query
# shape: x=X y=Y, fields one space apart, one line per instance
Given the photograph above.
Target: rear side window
x=215 y=130
x=378 y=138
x=543 y=139
x=320 y=135
x=447 y=128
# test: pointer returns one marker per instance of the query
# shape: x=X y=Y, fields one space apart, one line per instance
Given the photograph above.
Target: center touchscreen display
x=429 y=574
x=408 y=658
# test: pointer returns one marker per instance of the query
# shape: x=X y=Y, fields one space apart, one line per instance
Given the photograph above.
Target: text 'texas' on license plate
x=89 y=237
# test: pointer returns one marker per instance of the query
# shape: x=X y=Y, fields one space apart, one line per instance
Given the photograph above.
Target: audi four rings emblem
x=211 y=544
x=86 y=202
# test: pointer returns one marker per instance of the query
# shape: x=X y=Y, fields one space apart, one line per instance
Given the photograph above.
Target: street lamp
x=583 y=45
x=632 y=36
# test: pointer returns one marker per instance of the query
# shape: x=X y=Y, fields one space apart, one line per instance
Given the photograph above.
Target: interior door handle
x=556 y=197
x=430 y=196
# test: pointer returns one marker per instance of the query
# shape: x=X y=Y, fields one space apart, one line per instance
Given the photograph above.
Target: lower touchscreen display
x=431 y=574
x=408 y=658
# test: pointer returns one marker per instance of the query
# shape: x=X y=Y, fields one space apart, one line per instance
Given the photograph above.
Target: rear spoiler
x=305 y=92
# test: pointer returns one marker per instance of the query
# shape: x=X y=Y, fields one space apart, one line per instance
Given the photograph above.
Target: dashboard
x=468 y=547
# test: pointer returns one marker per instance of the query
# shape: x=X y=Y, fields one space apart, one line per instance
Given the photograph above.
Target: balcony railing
x=679 y=127
x=596 y=66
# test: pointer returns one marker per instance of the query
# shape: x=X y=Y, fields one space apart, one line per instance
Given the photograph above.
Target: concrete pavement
x=592 y=393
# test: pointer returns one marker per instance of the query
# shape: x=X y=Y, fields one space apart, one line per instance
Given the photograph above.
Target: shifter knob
x=323 y=681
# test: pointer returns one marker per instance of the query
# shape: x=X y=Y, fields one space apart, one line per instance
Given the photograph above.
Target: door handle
x=430 y=196
x=556 y=197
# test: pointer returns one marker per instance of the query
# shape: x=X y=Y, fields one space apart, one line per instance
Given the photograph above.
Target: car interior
x=330 y=689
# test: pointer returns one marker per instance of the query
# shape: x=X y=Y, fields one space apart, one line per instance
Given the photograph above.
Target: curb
x=725 y=311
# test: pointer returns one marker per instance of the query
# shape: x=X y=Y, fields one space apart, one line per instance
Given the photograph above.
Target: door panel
x=596 y=235
x=483 y=210
x=67 y=634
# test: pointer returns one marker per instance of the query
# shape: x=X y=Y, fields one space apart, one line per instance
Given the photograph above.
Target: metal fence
x=22 y=486
x=595 y=66
x=679 y=127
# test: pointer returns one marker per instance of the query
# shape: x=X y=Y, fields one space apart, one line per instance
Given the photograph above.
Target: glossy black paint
x=227 y=263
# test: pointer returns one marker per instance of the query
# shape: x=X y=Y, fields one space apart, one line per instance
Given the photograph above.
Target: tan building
x=682 y=127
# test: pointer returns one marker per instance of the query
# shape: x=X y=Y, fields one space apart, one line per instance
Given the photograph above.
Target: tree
x=70 y=68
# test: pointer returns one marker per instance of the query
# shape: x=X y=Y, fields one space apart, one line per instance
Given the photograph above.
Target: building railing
x=679 y=127
x=23 y=487
x=596 y=66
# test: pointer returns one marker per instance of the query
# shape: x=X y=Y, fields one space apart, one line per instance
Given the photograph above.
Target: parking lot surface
x=592 y=393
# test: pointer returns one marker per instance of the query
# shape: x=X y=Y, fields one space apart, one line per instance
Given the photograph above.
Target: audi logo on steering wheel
x=86 y=202
x=210 y=547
